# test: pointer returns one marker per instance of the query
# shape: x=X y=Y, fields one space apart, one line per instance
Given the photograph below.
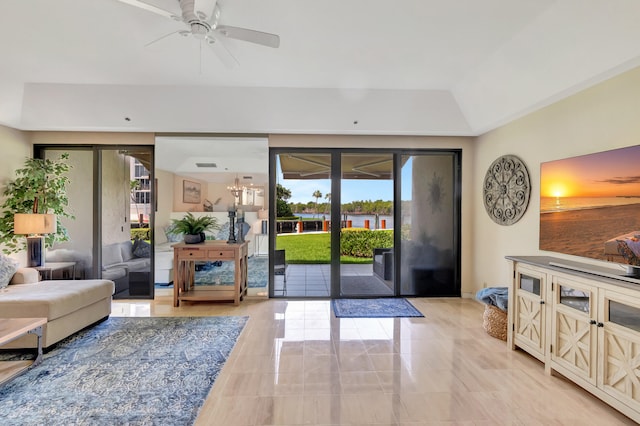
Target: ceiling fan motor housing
x=199 y=29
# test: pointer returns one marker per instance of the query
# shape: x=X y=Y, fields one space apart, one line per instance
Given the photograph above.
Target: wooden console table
x=186 y=255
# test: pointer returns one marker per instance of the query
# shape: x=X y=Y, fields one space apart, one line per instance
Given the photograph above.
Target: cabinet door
x=529 y=315
x=573 y=329
x=620 y=340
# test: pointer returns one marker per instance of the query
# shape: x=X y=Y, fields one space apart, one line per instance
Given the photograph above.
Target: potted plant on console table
x=193 y=227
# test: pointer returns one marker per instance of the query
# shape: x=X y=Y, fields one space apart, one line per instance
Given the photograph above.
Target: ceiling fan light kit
x=206 y=27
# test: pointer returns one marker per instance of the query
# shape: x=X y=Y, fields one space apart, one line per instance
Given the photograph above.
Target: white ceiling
x=244 y=158
x=421 y=67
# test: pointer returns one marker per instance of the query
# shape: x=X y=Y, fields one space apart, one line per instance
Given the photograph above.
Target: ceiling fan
x=206 y=27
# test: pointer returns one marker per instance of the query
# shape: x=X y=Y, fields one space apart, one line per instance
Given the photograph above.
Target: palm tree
x=317 y=194
x=327 y=197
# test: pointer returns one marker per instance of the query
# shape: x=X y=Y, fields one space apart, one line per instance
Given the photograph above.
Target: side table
x=11 y=329
x=50 y=267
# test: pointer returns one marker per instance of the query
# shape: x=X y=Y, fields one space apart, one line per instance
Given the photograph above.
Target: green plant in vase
x=39 y=187
x=193 y=227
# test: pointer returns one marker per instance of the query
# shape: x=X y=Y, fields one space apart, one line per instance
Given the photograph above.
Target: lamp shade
x=32 y=223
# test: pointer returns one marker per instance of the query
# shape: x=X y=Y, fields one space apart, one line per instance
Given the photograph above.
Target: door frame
x=336 y=201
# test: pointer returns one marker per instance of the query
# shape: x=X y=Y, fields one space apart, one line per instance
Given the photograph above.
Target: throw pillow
x=172 y=236
x=627 y=253
x=8 y=267
x=142 y=249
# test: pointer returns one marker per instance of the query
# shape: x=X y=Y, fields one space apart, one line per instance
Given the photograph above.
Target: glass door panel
x=302 y=248
x=78 y=250
x=366 y=238
x=125 y=221
x=428 y=226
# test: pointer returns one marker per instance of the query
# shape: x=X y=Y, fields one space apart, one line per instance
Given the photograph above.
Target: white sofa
x=68 y=305
x=163 y=265
x=119 y=261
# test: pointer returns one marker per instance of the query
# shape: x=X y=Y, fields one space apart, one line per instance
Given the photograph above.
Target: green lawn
x=311 y=248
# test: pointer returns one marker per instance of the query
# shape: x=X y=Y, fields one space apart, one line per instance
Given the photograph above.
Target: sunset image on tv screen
x=589 y=205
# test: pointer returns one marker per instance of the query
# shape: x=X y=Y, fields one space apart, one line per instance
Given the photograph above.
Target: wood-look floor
x=295 y=363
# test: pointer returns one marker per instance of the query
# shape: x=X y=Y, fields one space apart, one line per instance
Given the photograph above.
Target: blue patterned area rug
x=123 y=371
x=223 y=272
x=374 y=308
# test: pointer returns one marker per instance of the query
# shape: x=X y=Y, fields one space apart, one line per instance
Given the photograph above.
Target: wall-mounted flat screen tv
x=590 y=206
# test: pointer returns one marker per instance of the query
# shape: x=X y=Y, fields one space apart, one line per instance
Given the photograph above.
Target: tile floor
x=295 y=363
x=314 y=280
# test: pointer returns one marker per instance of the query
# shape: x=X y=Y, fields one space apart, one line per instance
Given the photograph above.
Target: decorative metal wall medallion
x=506 y=190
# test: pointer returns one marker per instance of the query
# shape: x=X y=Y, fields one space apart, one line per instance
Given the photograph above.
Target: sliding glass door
x=366 y=235
x=303 y=225
x=429 y=218
x=125 y=215
x=111 y=199
x=364 y=223
x=79 y=249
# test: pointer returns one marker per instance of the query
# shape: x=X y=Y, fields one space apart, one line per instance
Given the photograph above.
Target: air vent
x=247 y=177
x=209 y=165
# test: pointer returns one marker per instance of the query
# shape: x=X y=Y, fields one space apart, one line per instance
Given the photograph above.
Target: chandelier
x=236 y=189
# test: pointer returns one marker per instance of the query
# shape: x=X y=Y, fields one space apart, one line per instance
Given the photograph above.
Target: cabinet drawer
x=221 y=254
x=192 y=254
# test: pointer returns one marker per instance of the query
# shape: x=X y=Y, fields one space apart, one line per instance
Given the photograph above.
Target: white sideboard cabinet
x=582 y=323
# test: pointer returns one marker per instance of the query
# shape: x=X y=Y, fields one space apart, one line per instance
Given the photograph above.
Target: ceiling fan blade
x=222 y=52
x=252 y=36
x=150 y=8
x=181 y=32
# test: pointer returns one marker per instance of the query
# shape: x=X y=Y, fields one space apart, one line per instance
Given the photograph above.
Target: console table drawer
x=186 y=254
x=221 y=254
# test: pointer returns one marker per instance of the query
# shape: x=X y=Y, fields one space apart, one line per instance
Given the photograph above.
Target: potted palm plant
x=194 y=228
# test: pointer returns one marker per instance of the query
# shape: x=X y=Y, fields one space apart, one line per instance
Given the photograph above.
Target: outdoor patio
x=314 y=281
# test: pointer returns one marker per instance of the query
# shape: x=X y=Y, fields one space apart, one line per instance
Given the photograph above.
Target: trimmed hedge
x=141 y=233
x=360 y=242
x=285 y=218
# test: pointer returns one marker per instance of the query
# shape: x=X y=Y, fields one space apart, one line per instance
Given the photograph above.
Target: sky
x=352 y=190
x=604 y=174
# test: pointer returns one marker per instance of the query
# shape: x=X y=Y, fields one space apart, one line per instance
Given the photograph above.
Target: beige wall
x=15 y=148
x=178 y=204
x=601 y=118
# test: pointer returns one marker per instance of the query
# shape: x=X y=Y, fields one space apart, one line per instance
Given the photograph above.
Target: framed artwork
x=191 y=192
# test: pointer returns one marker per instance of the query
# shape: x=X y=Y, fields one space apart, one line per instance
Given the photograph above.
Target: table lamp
x=34 y=226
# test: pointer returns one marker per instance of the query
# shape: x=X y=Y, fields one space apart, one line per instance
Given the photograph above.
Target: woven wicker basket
x=494 y=322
